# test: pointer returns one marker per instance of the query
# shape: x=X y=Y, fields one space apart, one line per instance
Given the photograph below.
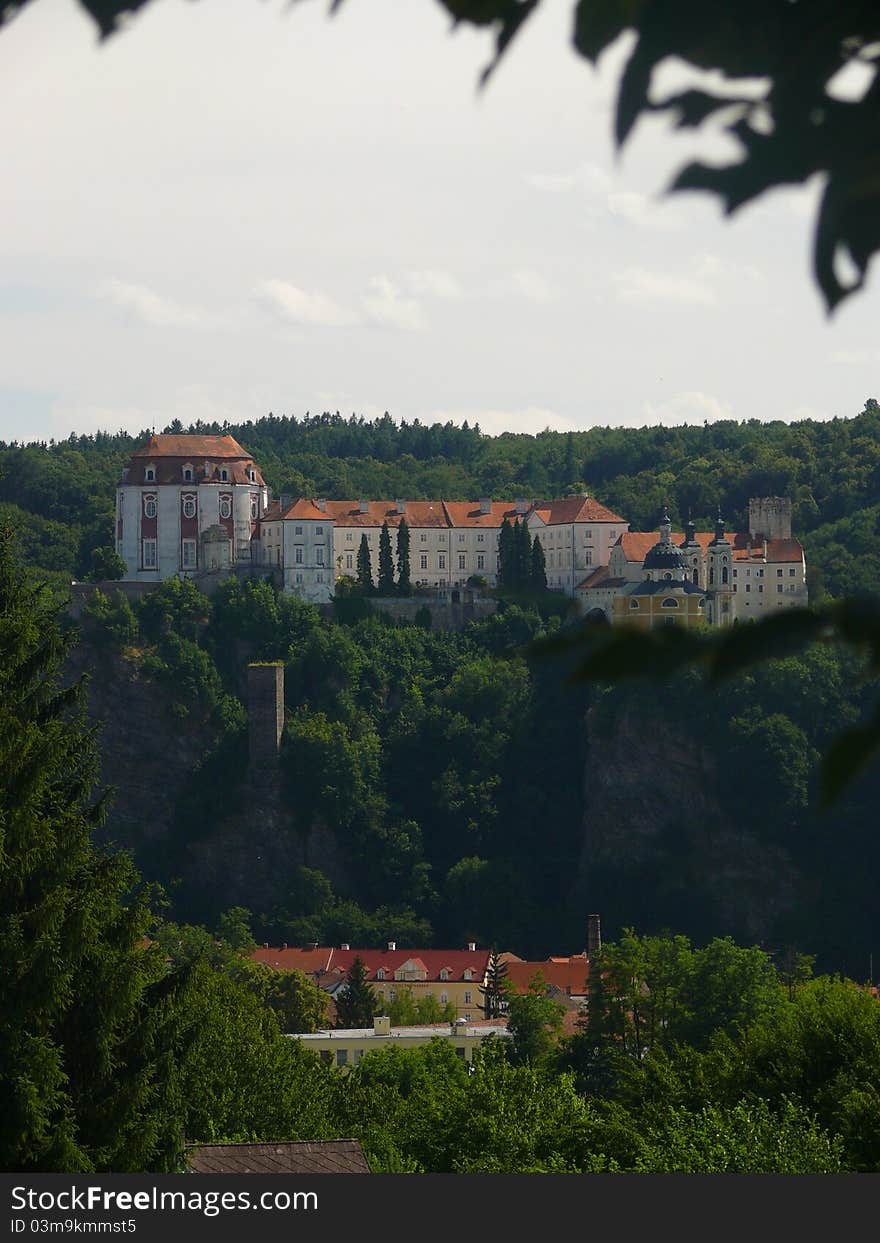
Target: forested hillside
x=59 y=496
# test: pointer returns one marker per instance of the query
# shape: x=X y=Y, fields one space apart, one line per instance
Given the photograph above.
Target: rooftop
x=332 y=1156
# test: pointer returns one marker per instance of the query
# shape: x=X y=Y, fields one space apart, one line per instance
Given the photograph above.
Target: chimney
x=520 y=505
x=265 y=945
x=322 y=505
x=594 y=935
x=284 y=945
x=485 y=505
x=364 y=506
x=345 y=946
x=285 y=502
x=401 y=507
x=382 y=1025
x=392 y=945
x=472 y=945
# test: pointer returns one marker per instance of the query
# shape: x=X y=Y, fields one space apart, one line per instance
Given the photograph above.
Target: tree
x=106 y=565
x=364 y=567
x=386 y=563
x=404 y=586
x=538 y=574
x=356 y=1005
x=89 y=1011
x=523 y=546
x=534 y=1020
x=497 y=986
x=506 y=555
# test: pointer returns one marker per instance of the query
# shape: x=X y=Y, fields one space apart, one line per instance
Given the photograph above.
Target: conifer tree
x=404 y=585
x=506 y=555
x=538 y=575
x=523 y=547
x=88 y=1013
x=356 y=1006
x=364 y=568
x=495 y=989
x=386 y=563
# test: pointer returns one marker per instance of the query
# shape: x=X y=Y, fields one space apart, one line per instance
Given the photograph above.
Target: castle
x=198 y=505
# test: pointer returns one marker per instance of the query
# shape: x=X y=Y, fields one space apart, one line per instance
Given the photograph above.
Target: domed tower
x=665 y=561
x=719 y=577
x=692 y=554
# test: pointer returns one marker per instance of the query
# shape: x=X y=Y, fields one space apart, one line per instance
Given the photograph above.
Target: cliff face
x=660 y=848
x=218 y=838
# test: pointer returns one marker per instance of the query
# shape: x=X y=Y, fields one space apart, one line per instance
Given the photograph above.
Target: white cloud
x=530 y=419
x=856 y=358
x=587 y=177
x=639 y=287
x=151 y=307
x=386 y=306
x=300 y=307
x=435 y=283
x=533 y=285
x=686 y=407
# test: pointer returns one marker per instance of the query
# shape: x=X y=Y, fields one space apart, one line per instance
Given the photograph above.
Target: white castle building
x=188 y=504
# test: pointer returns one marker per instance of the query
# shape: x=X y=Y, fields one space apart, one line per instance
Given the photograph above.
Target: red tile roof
x=191 y=447
x=469 y=513
x=570 y=974
x=575 y=509
x=599 y=578
x=327 y=959
x=329 y=1156
x=637 y=544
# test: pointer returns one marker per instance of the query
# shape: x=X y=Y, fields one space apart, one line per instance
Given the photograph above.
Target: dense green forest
x=59 y=496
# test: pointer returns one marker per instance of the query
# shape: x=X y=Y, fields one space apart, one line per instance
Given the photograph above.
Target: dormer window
x=468 y=974
x=187 y=474
x=444 y=974
x=380 y=974
x=224 y=475
x=150 y=474
x=252 y=474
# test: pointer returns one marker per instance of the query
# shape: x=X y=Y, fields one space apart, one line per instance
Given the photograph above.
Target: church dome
x=665 y=556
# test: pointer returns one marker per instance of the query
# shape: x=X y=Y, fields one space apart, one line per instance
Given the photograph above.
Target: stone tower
x=265 y=712
x=770 y=517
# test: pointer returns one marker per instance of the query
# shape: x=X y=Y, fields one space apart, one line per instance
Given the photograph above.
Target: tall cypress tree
x=88 y=1013
x=364 y=567
x=356 y=1005
x=404 y=585
x=538 y=575
x=386 y=563
x=497 y=986
x=506 y=555
x=523 y=547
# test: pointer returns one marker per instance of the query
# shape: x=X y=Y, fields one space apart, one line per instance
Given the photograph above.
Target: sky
x=238 y=207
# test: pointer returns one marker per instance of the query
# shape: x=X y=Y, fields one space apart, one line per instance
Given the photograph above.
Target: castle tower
x=265 y=712
x=719 y=577
x=693 y=554
x=769 y=517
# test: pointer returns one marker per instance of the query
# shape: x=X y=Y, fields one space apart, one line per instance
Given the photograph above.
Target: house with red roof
x=188 y=505
x=452 y=976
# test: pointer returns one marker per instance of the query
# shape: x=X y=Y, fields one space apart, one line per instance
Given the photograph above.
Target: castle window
x=297 y=530
x=724 y=574
x=254 y=509
x=481 y=560
x=760 y=587
x=319 y=530
x=779 y=573
x=319 y=577
x=188 y=474
x=667 y=578
x=423 y=561
x=149 y=553
x=748 y=586
x=380 y=974
x=669 y=604
x=712 y=575
x=189 y=507
x=444 y=974
x=480 y=537
x=298 y=556
x=588 y=556
x=791 y=573
x=189 y=554
x=467 y=1000
x=225 y=506
x=299 y=578
x=468 y=974
x=252 y=474
x=150 y=474
x=224 y=475
x=442 y=559
x=149 y=507
x=461 y=538
x=348 y=561
x=341 y=1057
x=461 y=561
x=779 y=586
x=444 y=998
x=349 y=536
x=696 y=577
x=319 y=556
x=423 y=537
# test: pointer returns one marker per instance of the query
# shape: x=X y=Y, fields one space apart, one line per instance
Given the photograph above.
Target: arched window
x=669 y=603
x=444 y=974
x=724 y=574
x=633 y=604
x=380 y=974
x=712 y=575
x=668 y=577
x=149 y=507
x=696 y=576
x=188 y=474
x=189 y=507
x=254 y=510
x=224 y=474
x=468 y=974
x=150 y=474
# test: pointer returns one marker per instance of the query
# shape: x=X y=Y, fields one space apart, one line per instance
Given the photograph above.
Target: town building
x=188 y=505
x=701 y=576
x=344 y=1047
x=453 y=977
x=325 y=1156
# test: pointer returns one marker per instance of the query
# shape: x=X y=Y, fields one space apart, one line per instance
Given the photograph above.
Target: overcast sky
x=234 y=207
